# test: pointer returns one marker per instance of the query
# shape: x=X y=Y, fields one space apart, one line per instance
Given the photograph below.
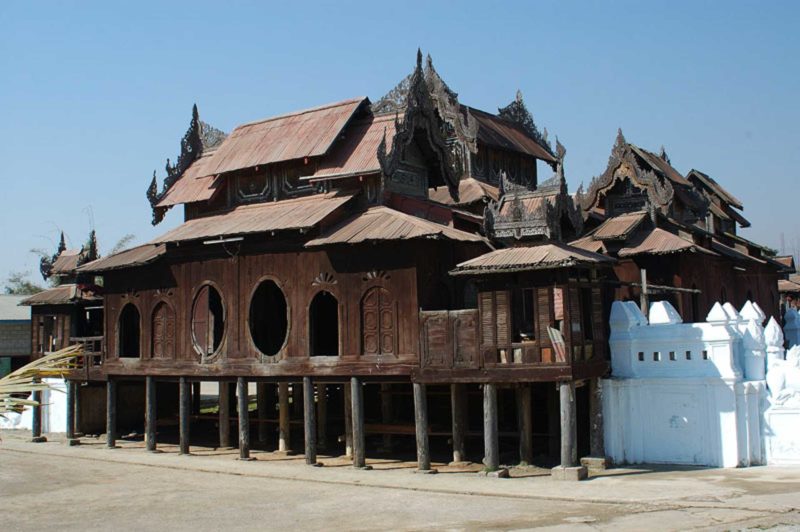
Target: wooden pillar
x=184 y=410
x=322 y=417
x=224 y=415
x=309 y=422
x=284 y=428
x=111 y=413
x=71 y=392
x=348 y=421
x=76 y=412
x=553 y=423
x=244 y=418
x=386 y=415
x=491 y=443
x=569 y=432
x=525 y=424
x=357 y=401
x=196 y=398
x=596 y=442
x=36 y=418
x=458 y=405
x=263 y=411
x=150 y=414
x=421 y=424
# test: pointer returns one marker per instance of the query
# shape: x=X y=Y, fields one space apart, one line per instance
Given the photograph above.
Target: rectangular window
x=656 y=356
x=688 y=355
x=586 y=313
x=523 y=315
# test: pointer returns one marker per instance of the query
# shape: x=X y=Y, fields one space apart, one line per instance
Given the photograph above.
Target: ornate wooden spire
x=518 y=113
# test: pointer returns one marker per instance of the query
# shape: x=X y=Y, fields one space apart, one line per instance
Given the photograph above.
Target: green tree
x=19 y=284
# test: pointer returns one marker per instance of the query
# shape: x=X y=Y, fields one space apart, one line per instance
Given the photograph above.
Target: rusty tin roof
x=129 y=258
x=61 y=295
x=543 y=257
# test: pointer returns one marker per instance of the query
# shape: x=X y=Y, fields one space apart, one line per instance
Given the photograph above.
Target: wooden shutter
x=502 y=299
x=201 y=322
x=387 y=323
x=163 y=332
x=487 y=321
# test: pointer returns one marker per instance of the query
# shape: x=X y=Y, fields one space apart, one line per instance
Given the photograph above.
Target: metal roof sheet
x=300 y=214
x=10 y=309
x=619 y=227
x=543 y=257
x=715 y=187
x=196 y=184
x=308 y=133
x=660 y=242
x=785 y=285
x=61 y=295
x=357 y=149
x=66 y=262
x=470 y=190
x=384 y=224
x=129 y=258
x=496 y=131
x=589 y=244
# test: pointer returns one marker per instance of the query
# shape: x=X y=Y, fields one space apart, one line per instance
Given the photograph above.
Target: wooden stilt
x=596 y=443
x=77 y=420
x=150 y=415
x=284 y=432
x=421 y=425
x=491 y=442
x=244 y=418
x=111 y=413
x=309 y=421
x=36 y=418
x=71 y=388
x=224 y=415
x=348 y=421
x=184 y=408
x=569 y=468
x=196 y=398
x=357 y=401
x=322 y=417
x=458 y=405
x=386 y=415
x=263 y=411
x=525 y=424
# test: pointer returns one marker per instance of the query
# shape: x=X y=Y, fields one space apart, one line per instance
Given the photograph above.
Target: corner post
x=357 y=400
x=71 y=389
x=525 y=421
x=36 y=417
x=348 y=420
x=491 y=443
x=421 y=424
x=150 y=414
x=569 y=468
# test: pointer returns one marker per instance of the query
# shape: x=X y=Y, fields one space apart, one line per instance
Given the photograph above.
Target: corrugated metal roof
x=470 y=190
x=384 y=224
x=785 y=285
x=308 y=133
x=357 y=150
x=299 y=214
x=660 y=242
x=196 y=184
x=128 y=258
x=61 y=295
x=589 y=244
x=661 y=165
x=715 y=187
x=10 y=309
x=619 y=227
x=66 y=262
x=495 y=131
x=544 y=257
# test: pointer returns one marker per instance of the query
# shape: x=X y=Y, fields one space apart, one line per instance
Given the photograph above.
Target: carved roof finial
x=518 y=113
x=663 y=154
x=621 y=142
x=519 y=96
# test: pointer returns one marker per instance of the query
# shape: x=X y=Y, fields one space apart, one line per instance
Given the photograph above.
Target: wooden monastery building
x=412 y=272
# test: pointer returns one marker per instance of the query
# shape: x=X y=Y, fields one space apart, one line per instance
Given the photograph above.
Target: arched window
x=378 y=329
x=208 y=320
x=269 y=323
x=323 y=325
x=129 y=325
x=163 y=332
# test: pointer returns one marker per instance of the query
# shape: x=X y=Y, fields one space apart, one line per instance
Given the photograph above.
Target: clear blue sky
x=94 y=96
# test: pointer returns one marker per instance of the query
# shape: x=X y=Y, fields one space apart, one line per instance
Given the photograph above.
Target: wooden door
x=202 y=323
x=378 y=322
x=163 y=331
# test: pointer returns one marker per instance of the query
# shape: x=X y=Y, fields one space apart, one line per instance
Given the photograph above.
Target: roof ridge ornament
x=517 y=112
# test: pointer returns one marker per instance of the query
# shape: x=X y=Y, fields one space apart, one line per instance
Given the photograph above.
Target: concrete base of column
x=569 y=473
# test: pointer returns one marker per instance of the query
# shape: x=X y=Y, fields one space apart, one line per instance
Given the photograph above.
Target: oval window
x=208 y=320
x=269 y=324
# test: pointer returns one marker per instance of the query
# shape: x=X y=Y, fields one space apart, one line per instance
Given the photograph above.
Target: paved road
x=51 y=485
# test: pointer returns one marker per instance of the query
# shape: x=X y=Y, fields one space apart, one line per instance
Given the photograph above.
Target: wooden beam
x=184 y=411
x=458 y=406
x=309 y=422
x=569 y=432
x=150 y=414
x=244 y=418
x=357 y=401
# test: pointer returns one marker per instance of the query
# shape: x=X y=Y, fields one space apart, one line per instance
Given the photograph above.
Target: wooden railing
x=93 y=347
x=449 y=339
